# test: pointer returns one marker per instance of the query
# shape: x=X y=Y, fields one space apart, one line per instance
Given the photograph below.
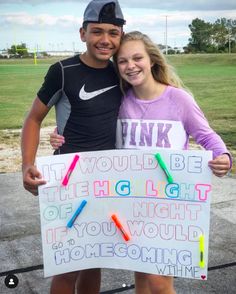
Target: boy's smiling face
x=102 y=41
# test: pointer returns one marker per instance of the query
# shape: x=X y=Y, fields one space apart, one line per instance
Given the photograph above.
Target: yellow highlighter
x=202 y=251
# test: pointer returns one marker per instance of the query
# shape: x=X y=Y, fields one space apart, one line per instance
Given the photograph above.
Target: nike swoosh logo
x=89 y=95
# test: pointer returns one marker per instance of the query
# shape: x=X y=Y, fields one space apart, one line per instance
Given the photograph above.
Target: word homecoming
x=165 y=261
x=112 y=179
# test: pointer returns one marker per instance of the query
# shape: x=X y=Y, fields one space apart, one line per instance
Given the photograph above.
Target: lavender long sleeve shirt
x=165 y=122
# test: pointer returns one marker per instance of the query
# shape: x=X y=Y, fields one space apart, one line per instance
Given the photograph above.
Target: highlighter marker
x=70 y=170
x=164 y=168
x=201 y=251
x=76 y=214
x=120 y=227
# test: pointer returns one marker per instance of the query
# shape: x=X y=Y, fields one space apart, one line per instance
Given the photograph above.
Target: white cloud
x=182 y=5
x=20 y=18
x=28 y=20
x=45 y=19
x=60 y=20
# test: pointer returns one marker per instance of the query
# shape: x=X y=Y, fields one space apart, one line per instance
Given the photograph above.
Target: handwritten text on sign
x=164 y=220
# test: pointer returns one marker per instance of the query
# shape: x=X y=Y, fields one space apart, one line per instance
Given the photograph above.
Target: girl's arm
x=220 y=165
x=198 y=127
x=56 y=140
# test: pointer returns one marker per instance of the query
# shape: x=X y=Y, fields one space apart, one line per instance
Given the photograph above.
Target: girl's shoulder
x=179 y=95
x=178 y=91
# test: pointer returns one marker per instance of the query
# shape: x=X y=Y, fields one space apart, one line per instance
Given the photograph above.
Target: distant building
x=4 y=54
x=42 y=53
x=60 y=53
x=179 y=49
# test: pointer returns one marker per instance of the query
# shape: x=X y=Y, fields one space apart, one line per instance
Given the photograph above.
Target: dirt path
x=10 y=154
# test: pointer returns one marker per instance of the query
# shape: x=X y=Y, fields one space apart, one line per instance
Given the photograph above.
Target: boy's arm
x=29 y=145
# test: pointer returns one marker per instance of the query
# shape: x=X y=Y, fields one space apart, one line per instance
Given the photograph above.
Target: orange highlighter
x=120 y=227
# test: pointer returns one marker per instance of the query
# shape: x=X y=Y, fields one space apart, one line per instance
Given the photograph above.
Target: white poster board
x=165 y=221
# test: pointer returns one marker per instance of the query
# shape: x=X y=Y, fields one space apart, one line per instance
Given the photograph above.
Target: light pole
x=229 y=39
x=166 y=16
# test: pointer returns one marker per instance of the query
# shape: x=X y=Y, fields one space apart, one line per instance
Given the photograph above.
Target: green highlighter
x=164 y=168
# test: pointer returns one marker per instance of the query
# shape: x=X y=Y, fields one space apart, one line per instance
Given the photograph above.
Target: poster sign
x=133 y=217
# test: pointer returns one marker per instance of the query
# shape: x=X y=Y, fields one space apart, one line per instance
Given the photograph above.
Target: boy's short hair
x=104 y=11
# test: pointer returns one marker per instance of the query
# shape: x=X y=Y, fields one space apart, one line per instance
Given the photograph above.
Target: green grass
x=19 y=82
x=210 y=77
x=212 y=80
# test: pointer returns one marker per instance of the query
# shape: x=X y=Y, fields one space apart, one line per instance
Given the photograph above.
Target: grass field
x=19 y=82
x=211 y=78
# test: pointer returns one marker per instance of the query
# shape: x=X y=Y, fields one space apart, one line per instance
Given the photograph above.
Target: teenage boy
x=85 y=92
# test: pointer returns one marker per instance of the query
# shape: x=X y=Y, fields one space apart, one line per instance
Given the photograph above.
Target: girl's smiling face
x=134 y=63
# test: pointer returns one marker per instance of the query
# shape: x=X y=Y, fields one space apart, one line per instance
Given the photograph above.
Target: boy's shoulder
x=59 y=65
x=73 y=60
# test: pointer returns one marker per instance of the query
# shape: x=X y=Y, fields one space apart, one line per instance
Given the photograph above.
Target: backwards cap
x=104 y=11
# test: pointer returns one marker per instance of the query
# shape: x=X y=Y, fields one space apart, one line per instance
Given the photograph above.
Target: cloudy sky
x=54 y=25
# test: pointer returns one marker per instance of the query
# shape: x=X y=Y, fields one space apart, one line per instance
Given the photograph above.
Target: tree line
x=217 y=37
x=206 y=37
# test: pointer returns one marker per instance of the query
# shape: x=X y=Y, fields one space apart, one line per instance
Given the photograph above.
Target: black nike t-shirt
x=87 y=102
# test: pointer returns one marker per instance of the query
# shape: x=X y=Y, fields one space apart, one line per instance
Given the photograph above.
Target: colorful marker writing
x=164 y=168
x=70 y=170
x=76 y=214
x=201 y=251
x=120 y=227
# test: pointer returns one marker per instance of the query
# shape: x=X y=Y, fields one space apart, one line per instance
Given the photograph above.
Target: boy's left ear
x=82 y=34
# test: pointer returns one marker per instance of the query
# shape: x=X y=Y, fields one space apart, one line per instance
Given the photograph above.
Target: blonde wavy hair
x=162 y=71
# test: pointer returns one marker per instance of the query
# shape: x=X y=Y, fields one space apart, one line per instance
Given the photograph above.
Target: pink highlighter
x=70 y=170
